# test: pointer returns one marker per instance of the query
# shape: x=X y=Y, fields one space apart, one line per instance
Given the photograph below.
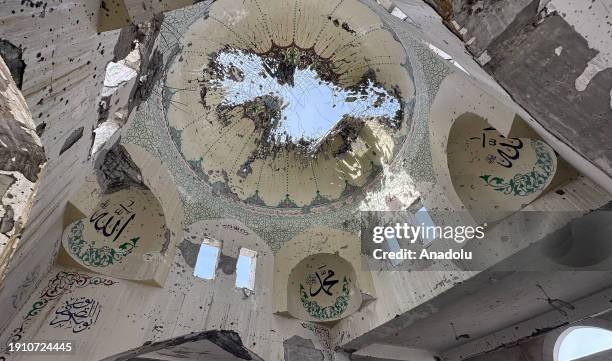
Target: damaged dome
x=278 y=122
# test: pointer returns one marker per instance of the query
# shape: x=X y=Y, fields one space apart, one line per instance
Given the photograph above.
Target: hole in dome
x=294 y=96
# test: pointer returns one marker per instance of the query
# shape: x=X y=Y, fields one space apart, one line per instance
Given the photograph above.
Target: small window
x=583 y=341
x=206 y=264
x=394 y=246
x=399 y=13
x=423 y=218
x=245 y=269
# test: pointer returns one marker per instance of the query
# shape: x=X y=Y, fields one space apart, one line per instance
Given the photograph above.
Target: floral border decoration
x=523 y=184
x=98 y=257
x=333 y=311
x=62 y=282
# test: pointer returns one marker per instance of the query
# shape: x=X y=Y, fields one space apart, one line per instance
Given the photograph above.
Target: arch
x=553 y=340
x=124 y=235
x=316 y=241
x=576 y=336
x=445 y=109
x=491 y=172
x=144 y=216
x=231 y=236
x=22 y=157
x=322 y=287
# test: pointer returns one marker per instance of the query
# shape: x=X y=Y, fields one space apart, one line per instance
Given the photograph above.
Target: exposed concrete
x=118 y=171
x=533 y=49
x=543 y=51
x=12 y=56
x=301 y=349
x=229 y=341
x=21 y=160
x=189 y=251
x=74 y=137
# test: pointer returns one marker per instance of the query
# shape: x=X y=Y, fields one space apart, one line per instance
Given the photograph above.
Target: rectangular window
x=245 y=269
x=394 y=246
x=424 y=219
x=206 y=263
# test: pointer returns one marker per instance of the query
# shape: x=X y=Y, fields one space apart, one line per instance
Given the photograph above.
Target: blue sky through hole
x=311 y=107
x=584 y=341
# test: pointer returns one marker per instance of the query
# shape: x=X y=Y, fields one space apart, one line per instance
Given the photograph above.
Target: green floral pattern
x=523 y=184
x=98 y=257
x=329 y=312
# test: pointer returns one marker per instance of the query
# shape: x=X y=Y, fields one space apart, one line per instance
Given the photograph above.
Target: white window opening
x=447 y=57
x=583 y=341
x=424 y=220
x=245 y=269
x=398 y=13
x=394 y=246
x=206 y=263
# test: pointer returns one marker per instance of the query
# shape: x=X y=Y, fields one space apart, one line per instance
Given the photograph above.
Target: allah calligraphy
x=122 y=215
x=526 y=183
x=323 y=278
x=77 y=314
x=91 y=255
x=507 y=148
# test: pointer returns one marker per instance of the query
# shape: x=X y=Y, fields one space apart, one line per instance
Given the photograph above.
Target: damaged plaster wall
x=21 y=160
x=541 y=346
x=12 y=56
x=64 y=63
x=299 y=349
x=134 y=315
x=65 y=59
x=542 y=51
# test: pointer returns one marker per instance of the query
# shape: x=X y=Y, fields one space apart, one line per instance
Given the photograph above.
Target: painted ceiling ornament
x=77 y=314
x=92 y=256
x=213 y=162
x=322 y=289
x=286 y=126
x=328 y=312
x=60 y=284
x=123 y=225
x=492 y=172
x=523 y=184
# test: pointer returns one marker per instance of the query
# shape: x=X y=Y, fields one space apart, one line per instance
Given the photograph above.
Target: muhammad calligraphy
x=322 y=289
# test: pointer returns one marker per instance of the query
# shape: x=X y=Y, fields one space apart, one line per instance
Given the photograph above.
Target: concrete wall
x=59 y=58
x=542 y=52
x=65 y=59
x=21 y=160
x=130 y=314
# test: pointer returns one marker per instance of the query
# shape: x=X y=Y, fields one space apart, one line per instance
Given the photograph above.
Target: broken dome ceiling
x=284 y=115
